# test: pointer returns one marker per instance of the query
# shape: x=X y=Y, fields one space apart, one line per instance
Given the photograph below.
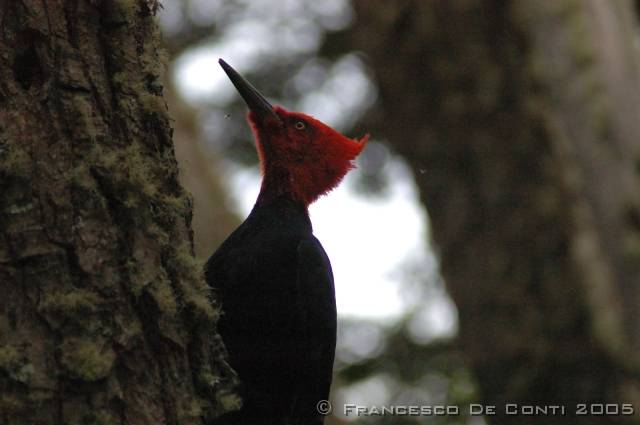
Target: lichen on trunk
x=105 y=317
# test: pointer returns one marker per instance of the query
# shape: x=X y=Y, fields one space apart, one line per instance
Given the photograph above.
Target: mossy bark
x=519 y=119
x=104 y=315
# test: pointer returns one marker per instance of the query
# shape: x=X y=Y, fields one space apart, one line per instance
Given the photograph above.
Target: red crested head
x=301 y=158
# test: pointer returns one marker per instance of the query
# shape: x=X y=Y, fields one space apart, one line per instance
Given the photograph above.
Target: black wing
x=278 y=324
x=317 y=307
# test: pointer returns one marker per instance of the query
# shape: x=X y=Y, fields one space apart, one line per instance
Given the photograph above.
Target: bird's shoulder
x=264 y=244
x=313 y=260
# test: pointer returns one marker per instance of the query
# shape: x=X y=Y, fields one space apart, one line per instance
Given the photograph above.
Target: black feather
x=275 y=284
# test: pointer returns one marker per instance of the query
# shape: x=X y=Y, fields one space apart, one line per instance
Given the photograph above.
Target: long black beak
x=254 y=100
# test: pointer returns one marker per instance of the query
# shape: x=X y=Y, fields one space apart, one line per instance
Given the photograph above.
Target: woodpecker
x=273 y=277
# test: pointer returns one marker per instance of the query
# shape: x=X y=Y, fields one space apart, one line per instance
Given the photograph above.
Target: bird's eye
x=300 y=125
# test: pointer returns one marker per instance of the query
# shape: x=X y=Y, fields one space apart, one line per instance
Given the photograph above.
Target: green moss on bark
x=15 y=365
x=97 y=250
x=88 y=360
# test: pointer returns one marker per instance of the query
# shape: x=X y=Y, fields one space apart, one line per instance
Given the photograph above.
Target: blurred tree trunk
x=520 y=121
x=213 y=220
x=104 y=315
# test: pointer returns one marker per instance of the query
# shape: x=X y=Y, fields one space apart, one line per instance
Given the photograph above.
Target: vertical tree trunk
x=104 y=316
x=520 y=120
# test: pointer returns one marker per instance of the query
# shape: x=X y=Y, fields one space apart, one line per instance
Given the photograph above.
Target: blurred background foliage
x=308 y=55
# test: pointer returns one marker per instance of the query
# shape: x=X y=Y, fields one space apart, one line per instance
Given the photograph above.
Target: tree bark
x=104 y=315
x=520 y=121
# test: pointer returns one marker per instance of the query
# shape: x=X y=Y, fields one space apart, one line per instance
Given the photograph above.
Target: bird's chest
x=267 y=261
x=262 y=284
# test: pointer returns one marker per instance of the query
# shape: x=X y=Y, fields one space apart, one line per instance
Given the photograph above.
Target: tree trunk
x=104 y=315
x=520 y=121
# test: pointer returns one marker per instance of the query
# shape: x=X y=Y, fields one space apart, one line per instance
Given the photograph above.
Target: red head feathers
x=301 y=158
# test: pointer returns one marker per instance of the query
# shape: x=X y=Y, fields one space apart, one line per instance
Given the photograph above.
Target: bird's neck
x=298 y=183
x=281 y=211
x=284 y=188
